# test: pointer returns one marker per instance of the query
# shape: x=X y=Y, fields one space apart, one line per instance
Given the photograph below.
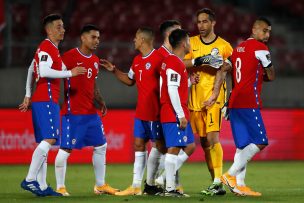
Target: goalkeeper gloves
x=211 y=60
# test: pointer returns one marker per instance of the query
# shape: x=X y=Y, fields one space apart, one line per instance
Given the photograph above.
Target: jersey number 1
x=238 y=65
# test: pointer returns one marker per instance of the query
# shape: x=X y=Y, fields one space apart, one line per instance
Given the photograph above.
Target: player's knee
x=101 y=149
x=51 y=141
x=261 y=147
x=190 y=149
x=204 y=142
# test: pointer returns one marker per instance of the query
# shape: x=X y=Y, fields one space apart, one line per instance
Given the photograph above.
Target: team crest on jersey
x=185 y=138
x=148 y=66
x=173 y=77
x=215 y=52
x=96 y=65
x=73 y=141
x=163 y=66
x=44 y=58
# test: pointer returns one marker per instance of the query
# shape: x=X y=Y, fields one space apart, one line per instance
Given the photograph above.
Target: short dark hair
x=50 y=18
x=88 y=28
x=149 y=32
x=208 y=11
x=177 y=36
x=264 y=19
x=166 y=25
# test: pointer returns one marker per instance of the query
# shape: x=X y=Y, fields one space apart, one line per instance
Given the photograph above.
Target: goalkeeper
x=207 y=54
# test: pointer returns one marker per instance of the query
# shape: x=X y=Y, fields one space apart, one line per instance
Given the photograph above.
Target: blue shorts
x=79 y=131
x=247 y=127
x=176 y=137
x=46 y=120
x=148 y=130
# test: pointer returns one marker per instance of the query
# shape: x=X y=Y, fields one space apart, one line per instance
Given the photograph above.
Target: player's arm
x=219 y=79
x=28 y=88
x=264 y=57
x=46 y=71
x=173 y=79
x=269 y=74
x=210 y=60
x=99 y=99
x=126 y=78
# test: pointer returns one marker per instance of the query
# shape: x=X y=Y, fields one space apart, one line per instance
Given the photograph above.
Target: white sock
x=243 y=158
x=240 y=177
x=152 y=165
x=170 y=170
x=161 y=166
x=181 y=158
x=41 y=176
x=139 y=168
x=60 y=167
x=99 y=163
x=39 y=156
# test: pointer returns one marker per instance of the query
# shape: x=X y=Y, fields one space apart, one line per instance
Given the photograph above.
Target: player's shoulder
x=257 y=44
x=195 y=39
x=222 y=41
x=48 y=46
x=70 y=52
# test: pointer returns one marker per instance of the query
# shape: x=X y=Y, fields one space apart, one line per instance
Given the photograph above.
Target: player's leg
x=46 y=126
x=140 y=160
x=213 y=124
x=156 y=136
x=247 y=127
x=175 y=139
x=60 y=170
x=197 y=121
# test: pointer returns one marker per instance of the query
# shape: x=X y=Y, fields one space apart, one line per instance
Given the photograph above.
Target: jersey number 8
x=238 y=74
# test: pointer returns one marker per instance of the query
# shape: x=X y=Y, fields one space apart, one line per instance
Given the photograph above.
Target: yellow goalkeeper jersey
x=203 y=90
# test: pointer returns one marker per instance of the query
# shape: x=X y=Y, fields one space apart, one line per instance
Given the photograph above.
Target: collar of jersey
x=84 y=54
x=144 y=57
x=216 y=36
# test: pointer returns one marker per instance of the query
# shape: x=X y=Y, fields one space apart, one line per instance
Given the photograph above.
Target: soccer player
x=208 y=96
x=251 y=65
x=145 y=72
x=81 y=125
x=174 y=111
x=46 y=67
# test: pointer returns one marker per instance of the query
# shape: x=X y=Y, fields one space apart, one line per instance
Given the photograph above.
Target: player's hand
x=103 y=109
x=79 y=70
x=214 y=61
x=107 y=65
x=212 y=99
x=194 y=78
x=25 y=104
x=183 y=123
x=225 y=111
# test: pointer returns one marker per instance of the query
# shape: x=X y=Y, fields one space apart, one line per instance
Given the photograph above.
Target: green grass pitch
x=278 y=181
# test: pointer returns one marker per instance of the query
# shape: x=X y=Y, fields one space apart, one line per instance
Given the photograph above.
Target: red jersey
x=173 y=72
x=249 y=59
x=47 y=88
x=79 y=90
x=164 y=51
x=145 y=71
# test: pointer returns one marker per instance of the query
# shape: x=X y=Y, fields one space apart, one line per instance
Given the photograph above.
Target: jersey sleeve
x=173 y=74
x=263 y=55
x=227 y=51
x=45 y=59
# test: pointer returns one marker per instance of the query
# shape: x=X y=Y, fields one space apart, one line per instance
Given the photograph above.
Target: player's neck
x=209 y=38
x=167 y=45
x=146 y=50
x=54 y=41
x=85 y=51
x=180 y=53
